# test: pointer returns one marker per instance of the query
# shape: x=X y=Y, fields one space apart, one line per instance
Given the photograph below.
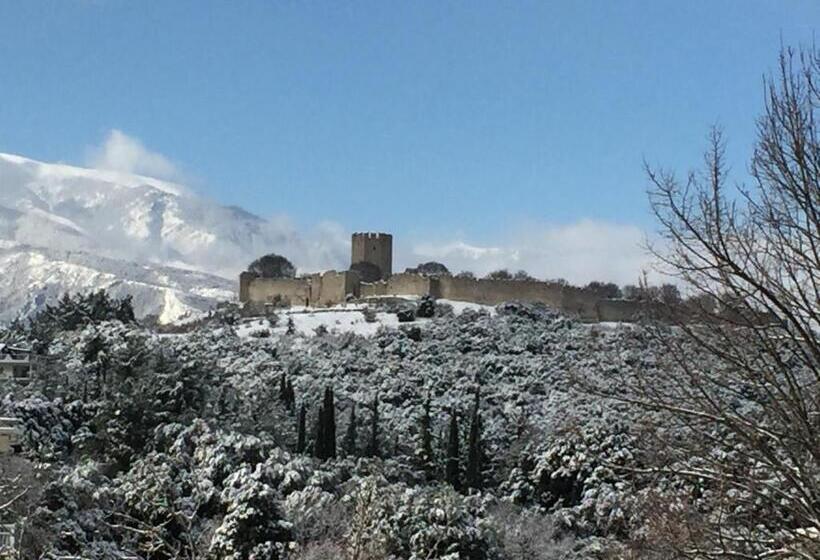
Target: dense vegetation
x=460 y=437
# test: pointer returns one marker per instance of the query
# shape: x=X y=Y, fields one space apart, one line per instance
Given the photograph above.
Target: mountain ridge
x=132 y=232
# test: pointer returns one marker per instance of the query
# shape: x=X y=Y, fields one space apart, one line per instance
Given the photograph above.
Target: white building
x=15 y=363
x=10 y=434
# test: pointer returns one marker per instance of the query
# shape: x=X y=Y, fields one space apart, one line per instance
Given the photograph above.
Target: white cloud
x=120 y=152
x=579 y=252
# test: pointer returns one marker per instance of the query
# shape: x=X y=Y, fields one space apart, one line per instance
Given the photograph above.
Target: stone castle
x=332 y=287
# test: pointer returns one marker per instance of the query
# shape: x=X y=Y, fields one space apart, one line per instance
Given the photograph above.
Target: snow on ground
x=306 y=320
x=340 y=319
x=460 y=306
x=612 y=325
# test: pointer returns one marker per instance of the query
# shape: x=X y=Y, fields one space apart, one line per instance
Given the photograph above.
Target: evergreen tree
x=272 y=266
x=283 y=388
x=291 y=400
x=325 y=445
x=424 y=453
x=330 y=424
x=68 y=313
x=286 y=393
x=125 y=310
x=349 y=442
x=319 y=439
x=300 y=431
x=373 y=446
x=451 y=466
x=474 y=448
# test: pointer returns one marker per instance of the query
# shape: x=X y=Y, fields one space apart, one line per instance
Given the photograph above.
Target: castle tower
x=374 y=248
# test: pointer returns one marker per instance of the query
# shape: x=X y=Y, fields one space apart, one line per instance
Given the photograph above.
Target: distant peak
x=65 y=170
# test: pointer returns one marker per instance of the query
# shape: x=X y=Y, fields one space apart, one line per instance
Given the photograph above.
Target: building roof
x=14 y=354
x=8 y=349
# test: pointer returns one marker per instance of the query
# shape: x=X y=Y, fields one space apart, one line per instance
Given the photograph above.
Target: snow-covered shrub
x=253 y=527
x=260 y=333
x=406 y=315
x=440 y=523
x=48 y=427
x=528 y=310
x=577 y=475
x=444 y=309
x=426 y=308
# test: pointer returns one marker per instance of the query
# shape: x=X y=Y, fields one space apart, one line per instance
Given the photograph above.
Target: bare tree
x=529 y=535
x=21 y=486
x=741 y=405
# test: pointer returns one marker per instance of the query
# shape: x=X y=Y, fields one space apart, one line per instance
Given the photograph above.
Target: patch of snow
x=460 y=307
x=338 y=319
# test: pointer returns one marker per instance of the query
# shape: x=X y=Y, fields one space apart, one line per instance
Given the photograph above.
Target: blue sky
x=443 y=122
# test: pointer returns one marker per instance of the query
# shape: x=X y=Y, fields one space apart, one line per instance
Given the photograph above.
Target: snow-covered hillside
x=199 y=428
x=32 y=276
x=70 y=228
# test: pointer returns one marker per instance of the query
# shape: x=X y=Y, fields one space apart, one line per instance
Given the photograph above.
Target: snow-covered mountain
x=66 y=228
x=33 y=276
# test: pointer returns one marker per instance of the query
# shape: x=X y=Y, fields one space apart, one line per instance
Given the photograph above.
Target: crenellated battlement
x=372 y=235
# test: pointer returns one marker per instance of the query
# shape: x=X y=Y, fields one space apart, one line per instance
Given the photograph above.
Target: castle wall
x=373 y=289
x=410 y=285
x=295 y=291
x=620 y=310
x=245 y=279
x=492 y=292
x=580 y=302
x=331 y=288
x=403 y=284
x=352 y=283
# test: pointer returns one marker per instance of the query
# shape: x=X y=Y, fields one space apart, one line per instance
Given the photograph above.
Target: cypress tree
x=451 y=466
x=425 y=451
x=373 y=446
x=330 y=425
x=474 y=448
x=325 y=445
x=349 y=443
x=283 y=388
x=290 y=396
x=319 y=442
x=300 y=437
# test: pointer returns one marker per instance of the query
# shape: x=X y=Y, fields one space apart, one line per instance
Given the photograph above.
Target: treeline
x=70 y=313
x=459 y=461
